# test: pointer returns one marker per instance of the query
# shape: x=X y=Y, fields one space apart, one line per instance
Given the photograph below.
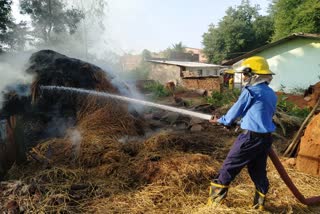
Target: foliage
x=241 y=30
x=12 y=35
x=5 y=20
x=157 y=89
x=5 y=10
x=179 y=47
x=292 y=16
x=146 y=54
x=142 y=71
x=297 y=90
x=219 y=99
x=51 y=18
x=290 y=108
x=176 y=48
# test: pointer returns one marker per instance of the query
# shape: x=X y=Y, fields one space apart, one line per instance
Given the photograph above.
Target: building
x=202 y=57
x=294 y=60
x=188 y=74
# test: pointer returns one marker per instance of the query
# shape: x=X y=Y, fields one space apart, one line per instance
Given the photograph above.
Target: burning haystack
x=54 y=69
x=46 y=114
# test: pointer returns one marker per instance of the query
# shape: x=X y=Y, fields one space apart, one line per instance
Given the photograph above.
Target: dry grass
x=166 y=173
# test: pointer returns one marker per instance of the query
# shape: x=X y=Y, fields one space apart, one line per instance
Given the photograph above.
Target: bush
x=218 y=99
x=290 y=108
x=157 y=89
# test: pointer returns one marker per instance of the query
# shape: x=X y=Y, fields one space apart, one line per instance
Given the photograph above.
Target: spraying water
x=128 y=99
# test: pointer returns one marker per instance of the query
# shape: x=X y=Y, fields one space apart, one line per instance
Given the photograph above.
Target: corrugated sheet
x=186 y=64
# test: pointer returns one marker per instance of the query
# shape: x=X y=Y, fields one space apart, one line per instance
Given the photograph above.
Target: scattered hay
x=90 y=171
x=111 y=120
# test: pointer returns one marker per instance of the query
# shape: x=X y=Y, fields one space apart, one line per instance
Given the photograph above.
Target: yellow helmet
x=229 y=71
x=255 y=65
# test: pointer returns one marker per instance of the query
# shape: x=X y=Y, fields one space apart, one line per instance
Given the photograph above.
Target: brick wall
x=213 y=83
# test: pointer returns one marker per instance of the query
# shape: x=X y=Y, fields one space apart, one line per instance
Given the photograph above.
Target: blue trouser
x=251 y=150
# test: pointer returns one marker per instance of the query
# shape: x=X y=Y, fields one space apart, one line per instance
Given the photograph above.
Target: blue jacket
x=256 y=107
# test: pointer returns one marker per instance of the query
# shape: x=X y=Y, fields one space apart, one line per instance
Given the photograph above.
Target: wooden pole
x=289 y=151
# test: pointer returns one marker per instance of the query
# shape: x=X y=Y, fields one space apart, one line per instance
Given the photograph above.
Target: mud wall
x=165 y=73
x=308 y=159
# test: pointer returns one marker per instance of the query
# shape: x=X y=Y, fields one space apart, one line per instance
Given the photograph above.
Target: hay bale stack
x=308 y=159
x=54 y=112
x=52 y=68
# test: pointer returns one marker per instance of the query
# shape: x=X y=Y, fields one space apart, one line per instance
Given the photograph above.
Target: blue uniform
x=256 y=106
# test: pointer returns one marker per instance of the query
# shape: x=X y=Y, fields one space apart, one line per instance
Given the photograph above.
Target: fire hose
x=284 y=176
x=287 y=180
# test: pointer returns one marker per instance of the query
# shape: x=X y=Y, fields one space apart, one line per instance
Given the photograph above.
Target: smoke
x=58 y=126
x=75 y=138
x=12 y=74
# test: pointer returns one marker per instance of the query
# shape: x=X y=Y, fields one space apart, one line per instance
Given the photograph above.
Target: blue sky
x=156 y=24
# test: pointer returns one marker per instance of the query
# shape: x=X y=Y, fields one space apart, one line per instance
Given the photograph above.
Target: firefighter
x=256 y=107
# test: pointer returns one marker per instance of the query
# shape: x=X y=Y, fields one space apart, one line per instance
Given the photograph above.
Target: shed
x=294 y=60
x=167 y=70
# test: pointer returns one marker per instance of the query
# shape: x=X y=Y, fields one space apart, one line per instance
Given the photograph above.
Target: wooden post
x=289 y=151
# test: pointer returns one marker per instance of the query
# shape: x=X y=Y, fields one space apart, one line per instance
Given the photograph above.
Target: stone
x=196 y=128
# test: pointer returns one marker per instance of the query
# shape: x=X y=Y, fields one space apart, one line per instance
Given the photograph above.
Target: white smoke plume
x=75 y=138
x=12 y=73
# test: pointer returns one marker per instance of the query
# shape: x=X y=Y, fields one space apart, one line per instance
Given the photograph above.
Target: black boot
x=217 y=192
x=258 y=201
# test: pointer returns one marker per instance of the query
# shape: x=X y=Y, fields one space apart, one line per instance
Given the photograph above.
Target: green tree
x=5 y=19
x=242 y=29
x=50 y=18
x=5 y=14
x=144 y=68
x=146 y=54
x=175 y=48
x=292 y=16
x=179 y=47
x=14 y=38
x=11 y=34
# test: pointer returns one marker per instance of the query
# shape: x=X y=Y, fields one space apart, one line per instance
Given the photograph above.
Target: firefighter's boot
x=258 y=201
x=217 y=193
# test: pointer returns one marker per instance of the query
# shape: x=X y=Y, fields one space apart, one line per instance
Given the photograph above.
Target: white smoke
x=75 y=138
x=12 y=73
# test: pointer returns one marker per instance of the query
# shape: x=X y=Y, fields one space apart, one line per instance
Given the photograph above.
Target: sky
x=157 y=24
x=134 y=25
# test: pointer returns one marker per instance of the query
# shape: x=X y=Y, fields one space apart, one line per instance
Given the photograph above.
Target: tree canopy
x=5 y=10
x=240 y=30
x=175 y=48
x=5 y=18
x=292 y=16
x=50 y=17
